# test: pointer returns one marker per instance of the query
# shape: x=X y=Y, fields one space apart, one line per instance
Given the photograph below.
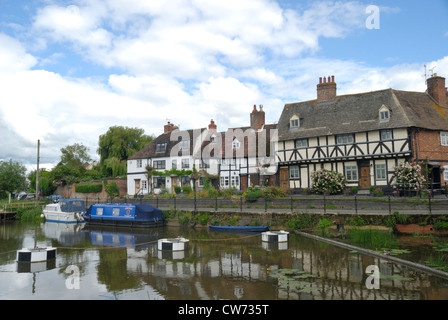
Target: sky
x=71 y=69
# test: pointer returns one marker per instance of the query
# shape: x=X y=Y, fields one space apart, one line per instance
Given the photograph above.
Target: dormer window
x=236 y=144
x=384 y=114
x=161 y=147
x=294 y=122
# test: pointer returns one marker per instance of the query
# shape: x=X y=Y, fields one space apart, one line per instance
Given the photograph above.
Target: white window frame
x=185 y=163
x=444 y=138
x=385 y=134
x=161 y=147
x=235 y=181
x=351 y=173
x=294 y=172
x=384 y=115
x=184 y=145
x=294 y=123
x=174 y=164
x=380 y=172
x=345 y=138
x=236 y=144
x=224 y=181
x=139 y=163
x=301 y=143
x=445 y=173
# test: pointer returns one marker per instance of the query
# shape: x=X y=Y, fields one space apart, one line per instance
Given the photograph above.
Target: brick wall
x=426 y=145
x=121 y=183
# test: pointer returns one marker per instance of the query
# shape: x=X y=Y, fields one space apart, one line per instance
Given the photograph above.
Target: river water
x=96 y=263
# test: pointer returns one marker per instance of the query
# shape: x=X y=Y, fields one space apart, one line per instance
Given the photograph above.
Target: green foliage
x=29 y=214
x=120 y=143
x=177 y=189
x=409 y=176
x=203 y=219
x=253 y=194
x=186 y=189
x=323 y=225
x=301 y=221
x=12 y=177
x=115 y=166
x=272 y=192
x=89 y=188
x=75 y=155
x=112 y=189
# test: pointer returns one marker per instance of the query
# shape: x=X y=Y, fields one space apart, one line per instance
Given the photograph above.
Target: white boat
x=65 y=211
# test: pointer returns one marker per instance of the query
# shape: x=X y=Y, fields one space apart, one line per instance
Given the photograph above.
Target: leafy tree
x=75 y=155
x=46 y=186
x=117 y=145
x=12 y=177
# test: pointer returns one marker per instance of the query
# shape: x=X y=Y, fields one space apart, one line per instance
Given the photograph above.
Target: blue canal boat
x=239 y=228
x=124 y=214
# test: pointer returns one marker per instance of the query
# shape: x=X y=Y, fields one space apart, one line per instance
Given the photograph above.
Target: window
x=236 y=144
x=161 y=147
x=344 y=139
x=301 y=143
x=159 y=164
x=380 y=172
x=159 y=182
x=444 y=138
x=294 y=123
x=184 y=145
x=385 y=134
x=184 y=180
x=139 y=163
x=99 y=211
x=144 y=184
x=235 y=181
x=351 y=173
x=445 y=173
x=174 y=164
x=384 y=115
x=115 y=211
x=205 y=163
x=224 y=181
x=185 y=163
x=294 y=172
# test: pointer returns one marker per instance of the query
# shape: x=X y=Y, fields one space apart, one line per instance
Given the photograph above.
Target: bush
x=112 y=189
x=252 y=195
x=186 y=189
x=272 y=192
x=326 y=181
x=177 y=189
x=89 y=188
x=29 y=214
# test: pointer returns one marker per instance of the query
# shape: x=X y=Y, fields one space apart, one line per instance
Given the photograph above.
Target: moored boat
x=239 y=228
x=124 y=214
x=65 y=211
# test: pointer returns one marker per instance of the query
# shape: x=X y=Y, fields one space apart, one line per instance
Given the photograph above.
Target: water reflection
x=126 y=264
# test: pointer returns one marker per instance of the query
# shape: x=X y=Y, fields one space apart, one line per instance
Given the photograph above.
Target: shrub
x=326 y=181
x=252 y=195
x=89 y=187
x=177 y=189
x=272 y=192
x=408 y=176
x=186 y=189
x=112 y=189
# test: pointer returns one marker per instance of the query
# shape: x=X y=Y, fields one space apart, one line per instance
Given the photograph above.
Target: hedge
x=89 y=188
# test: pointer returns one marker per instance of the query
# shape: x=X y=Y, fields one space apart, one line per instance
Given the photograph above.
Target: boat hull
x=239 y=228
x=124 y=222
x=63 y=217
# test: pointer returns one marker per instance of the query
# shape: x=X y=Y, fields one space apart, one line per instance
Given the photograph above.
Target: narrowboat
x=65 y=211
x=239 y=228
x=124 y=214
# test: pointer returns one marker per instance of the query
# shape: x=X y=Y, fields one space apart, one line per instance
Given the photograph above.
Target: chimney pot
x=326 y=91
x=320 y=80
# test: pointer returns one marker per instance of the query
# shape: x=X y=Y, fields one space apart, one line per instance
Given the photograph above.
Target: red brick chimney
x=257 y=118
x=437 y=89
x=212 y=125
x=168 y=127
x=326 y=91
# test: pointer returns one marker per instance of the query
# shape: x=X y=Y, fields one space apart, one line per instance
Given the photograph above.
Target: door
x=174 y=183
x=364 y=179
x=243 y=183
x=137 y=186
x=284 y=179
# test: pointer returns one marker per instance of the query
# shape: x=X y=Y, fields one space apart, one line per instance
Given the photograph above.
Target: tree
x=45 y=181
x=117 y=145
x=75 y=155
x=12 y=177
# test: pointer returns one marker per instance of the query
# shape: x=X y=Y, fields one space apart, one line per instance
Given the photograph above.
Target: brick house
x=363 y=136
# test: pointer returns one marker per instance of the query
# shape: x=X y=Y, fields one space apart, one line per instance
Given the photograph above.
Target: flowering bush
x=409 y=176
x=328 y=181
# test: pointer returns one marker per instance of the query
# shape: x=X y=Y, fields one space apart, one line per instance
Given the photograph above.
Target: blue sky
x=71 y=69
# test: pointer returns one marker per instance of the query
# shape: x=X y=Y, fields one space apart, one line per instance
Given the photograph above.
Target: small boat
x=65 y=211
x=239 y=228
x=124 y=214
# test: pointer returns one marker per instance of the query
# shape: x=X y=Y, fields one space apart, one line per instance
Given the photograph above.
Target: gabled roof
x=360 y=113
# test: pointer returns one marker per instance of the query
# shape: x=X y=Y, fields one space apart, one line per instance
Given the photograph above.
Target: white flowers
x=328 y=181
x=409 y=176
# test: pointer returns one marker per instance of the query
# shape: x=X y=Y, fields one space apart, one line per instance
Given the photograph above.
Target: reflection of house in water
x=245 y=272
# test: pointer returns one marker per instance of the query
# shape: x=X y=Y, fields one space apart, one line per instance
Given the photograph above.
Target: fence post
x=174 y=203
x=241 y=204
x=356 y=204
x=265 y=205
x=325 y=205
x=157 y=201
x=216 y=204
x=291 y=205
x=390 y=209
x=429 y=202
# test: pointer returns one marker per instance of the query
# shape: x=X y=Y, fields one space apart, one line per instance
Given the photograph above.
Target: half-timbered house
x=363 y=136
